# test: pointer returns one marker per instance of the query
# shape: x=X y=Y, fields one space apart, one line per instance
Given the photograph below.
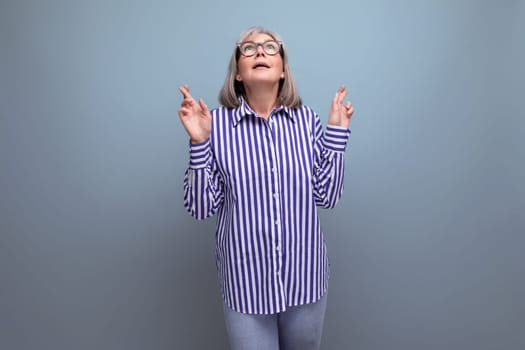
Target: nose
x=260 y=50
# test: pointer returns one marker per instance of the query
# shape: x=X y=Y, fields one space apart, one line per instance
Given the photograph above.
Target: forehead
x=258 y=37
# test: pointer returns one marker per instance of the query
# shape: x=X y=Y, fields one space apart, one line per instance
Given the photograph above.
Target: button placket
x=274 y=176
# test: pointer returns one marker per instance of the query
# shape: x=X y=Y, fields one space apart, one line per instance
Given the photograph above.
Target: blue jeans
x=298 y=328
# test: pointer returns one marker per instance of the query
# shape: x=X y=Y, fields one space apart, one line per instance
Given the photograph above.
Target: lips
x=261 y=65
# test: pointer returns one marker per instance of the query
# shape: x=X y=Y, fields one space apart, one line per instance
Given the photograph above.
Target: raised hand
x=340 y=114
x=195 y=117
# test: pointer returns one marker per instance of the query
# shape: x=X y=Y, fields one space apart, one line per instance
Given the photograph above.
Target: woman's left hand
x=340 y=113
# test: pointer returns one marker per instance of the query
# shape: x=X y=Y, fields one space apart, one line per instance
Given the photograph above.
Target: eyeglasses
x=249 y=48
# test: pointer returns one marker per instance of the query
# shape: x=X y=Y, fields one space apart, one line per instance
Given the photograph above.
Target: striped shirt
x=265 y=179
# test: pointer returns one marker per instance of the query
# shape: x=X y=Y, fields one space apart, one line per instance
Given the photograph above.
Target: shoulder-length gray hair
x=233 y=89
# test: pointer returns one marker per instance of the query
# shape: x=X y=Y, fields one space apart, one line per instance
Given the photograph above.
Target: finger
x=336 y=100
x=183 y=112
x=350 y=112
x=204 y=107
x=185 y=90
x=189 y=101
x=342 y=94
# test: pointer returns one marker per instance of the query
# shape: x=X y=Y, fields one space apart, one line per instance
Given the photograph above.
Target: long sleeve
x=203 y=185
x=266 y=180
x=329 y=163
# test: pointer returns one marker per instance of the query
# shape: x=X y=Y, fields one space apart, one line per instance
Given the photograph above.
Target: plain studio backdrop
x=426 y=245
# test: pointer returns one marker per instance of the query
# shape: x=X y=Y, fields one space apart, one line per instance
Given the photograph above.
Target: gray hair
x=233 y=89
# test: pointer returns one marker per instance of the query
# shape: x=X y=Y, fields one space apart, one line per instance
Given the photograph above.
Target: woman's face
x=261 y=68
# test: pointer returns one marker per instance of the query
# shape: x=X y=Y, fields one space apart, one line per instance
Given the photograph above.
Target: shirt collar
x=245 y=110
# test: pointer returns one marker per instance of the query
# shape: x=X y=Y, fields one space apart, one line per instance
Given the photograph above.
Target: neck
x=262 y=100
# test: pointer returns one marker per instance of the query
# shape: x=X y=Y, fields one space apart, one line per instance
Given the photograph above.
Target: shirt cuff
x=199 y=154
x=335 y=138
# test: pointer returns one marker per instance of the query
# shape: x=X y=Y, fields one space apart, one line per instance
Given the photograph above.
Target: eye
x=272 y=46
x=247 y=47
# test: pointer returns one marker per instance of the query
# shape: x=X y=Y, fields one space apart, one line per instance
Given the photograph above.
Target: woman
x=262 y=162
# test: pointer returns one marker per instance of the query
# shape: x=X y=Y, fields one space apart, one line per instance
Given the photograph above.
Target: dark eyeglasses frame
x=239 y=45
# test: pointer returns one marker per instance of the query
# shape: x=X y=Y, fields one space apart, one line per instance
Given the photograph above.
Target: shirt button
x=278 y=248
x=275 y=195
x=277 y=222
x=274 y=169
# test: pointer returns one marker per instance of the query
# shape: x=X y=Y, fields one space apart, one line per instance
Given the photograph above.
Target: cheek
x=242 y=68
x=281 y=65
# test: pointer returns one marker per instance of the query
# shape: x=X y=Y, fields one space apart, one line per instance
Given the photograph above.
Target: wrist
x=197 y=141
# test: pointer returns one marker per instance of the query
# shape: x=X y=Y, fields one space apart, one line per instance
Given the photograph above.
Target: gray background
x=97 y=251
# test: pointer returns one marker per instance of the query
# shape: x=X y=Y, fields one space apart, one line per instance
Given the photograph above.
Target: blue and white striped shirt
x=265 y=179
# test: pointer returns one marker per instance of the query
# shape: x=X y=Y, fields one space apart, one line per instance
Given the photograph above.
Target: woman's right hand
x=195 y=117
